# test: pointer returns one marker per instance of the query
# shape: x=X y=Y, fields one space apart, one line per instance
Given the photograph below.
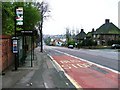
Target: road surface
x=109 y=58
x=88 y=68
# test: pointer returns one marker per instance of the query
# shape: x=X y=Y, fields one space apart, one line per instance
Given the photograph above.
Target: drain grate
x=98 y=69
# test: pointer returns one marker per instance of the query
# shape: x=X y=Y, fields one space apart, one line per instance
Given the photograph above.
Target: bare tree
x=68 y=34
x=77 y=31
x=44 y=9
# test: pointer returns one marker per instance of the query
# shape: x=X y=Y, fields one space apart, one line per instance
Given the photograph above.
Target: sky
x=79 y=14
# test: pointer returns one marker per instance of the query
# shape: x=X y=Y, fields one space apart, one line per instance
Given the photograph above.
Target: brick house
x=105 y=33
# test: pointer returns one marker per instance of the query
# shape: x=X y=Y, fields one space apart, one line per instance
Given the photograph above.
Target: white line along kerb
x=61 y=69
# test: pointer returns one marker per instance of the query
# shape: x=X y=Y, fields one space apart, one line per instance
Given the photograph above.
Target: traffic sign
x=19 y=16
x=15 y=48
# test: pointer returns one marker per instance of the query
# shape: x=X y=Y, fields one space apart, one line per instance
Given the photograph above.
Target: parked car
x=116 y=46
x=70 y=46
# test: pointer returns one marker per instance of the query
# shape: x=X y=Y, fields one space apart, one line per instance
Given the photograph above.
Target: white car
x=70 y=46
x=116 y=46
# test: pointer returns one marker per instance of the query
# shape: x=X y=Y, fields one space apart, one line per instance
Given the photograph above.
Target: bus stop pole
x=31 y=52
x=33 y=47
x=15 y=38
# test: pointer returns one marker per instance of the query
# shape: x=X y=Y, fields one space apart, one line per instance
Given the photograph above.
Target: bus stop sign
x=15 y=46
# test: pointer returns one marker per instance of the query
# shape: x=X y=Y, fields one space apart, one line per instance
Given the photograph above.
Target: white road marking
x=89 y=62
x=56 y=65
x=74 y=65
x=61 y=69
x=65 y=61
x=46 y=86
x=70 y=78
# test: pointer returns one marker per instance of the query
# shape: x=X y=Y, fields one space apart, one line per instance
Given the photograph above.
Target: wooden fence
x=6 y=58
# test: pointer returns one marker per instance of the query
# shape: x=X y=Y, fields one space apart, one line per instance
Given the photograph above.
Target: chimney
x=93 y=30
x=107 y=21
x=82 y=30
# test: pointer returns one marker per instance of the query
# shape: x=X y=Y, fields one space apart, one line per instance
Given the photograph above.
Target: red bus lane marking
x=86 y=74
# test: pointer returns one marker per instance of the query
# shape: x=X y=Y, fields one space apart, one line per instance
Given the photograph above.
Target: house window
x=98 y=36
x=98 y=42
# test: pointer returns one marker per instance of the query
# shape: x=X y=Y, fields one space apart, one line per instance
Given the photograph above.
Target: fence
x=6 y=58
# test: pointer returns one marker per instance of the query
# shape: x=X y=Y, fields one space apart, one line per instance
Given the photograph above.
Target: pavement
x=43 y=74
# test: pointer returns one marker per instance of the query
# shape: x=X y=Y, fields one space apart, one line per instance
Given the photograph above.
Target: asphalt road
x=105 y=57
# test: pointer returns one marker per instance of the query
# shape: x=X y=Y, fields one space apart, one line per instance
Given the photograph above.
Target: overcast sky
x=77 y=14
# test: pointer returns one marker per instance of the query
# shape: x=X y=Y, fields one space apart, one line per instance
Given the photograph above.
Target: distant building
x=106 y=32
x=80 y=36
x=57 y=42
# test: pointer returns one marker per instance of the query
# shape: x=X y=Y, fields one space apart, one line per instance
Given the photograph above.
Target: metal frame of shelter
x=18 y=19
x=29 y=33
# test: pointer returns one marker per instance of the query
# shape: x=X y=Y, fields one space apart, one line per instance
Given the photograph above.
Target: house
x=90 y=34
x=80 y=36
x=57 y=42
x=106 y=32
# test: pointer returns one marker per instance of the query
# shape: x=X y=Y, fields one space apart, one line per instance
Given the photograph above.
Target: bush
x=89 y=43
x=113 y=42
x=71 y=42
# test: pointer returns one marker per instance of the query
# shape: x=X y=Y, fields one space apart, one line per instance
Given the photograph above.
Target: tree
x=43 y=8
x=31 y=16
x=7 y=18
x=77 y=31
x=47 y=40
x=67 y=35
x=73 y=34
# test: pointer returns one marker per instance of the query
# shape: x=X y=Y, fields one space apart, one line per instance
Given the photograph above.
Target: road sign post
x=18 y=22
x=15 y=50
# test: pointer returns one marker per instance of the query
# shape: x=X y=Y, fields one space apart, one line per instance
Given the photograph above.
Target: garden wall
x=6 y=55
